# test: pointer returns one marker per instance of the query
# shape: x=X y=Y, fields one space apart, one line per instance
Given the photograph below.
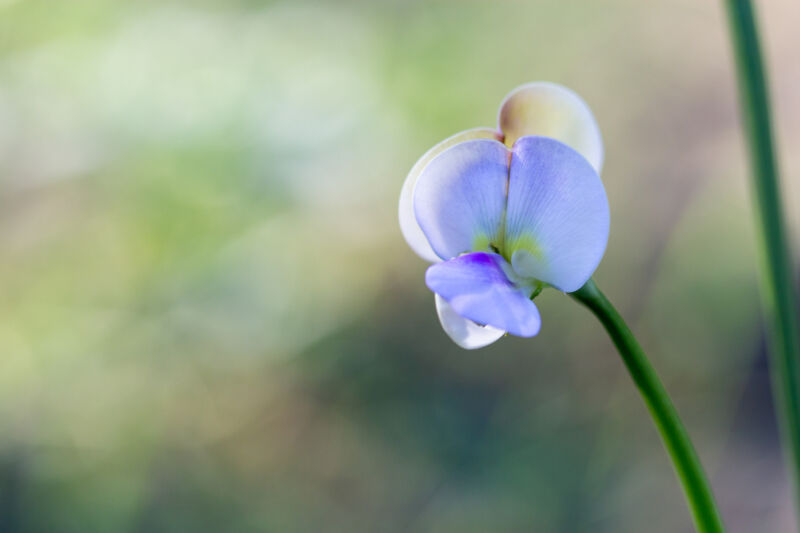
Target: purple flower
x=505 y=214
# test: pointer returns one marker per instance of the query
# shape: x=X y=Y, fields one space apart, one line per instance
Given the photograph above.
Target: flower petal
x=464 y=331
x=551 y=110
x=460 y=197
x=408 y=221
x=476 y=287
x=557 y=219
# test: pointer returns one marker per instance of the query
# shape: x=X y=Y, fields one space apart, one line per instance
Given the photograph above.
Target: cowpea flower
x=503 y=214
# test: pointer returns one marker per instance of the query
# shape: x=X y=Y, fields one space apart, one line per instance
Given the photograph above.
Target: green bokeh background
x=209 y=320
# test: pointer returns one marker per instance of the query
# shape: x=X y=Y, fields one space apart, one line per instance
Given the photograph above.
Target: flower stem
x=777 y=287
x=676 y=440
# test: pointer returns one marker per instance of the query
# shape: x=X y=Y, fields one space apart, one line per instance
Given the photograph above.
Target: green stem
x=777 y=284
x=676 y=440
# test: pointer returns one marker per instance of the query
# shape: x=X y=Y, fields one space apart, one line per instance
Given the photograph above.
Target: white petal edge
x=552 y=110
x=464 y=332
x=408 y=221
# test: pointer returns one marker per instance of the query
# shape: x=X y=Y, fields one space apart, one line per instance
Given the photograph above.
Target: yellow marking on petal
x=481 y=243
x=523 y=242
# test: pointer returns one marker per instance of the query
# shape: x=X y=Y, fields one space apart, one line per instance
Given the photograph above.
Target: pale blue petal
x=464 y=331
x=557 y=219
x=476 y=287
x=460 y=197
x=408 y=220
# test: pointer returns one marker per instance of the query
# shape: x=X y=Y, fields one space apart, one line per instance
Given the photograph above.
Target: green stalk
x=777 y=283
x=676 y=440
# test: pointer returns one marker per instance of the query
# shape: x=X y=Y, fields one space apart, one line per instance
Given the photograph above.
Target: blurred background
x=209 y=320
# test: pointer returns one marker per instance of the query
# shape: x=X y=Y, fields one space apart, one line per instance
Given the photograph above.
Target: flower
x=504 y=214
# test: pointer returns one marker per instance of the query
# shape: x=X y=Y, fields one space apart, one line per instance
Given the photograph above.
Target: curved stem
x=777 y=284
x=676 y=440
